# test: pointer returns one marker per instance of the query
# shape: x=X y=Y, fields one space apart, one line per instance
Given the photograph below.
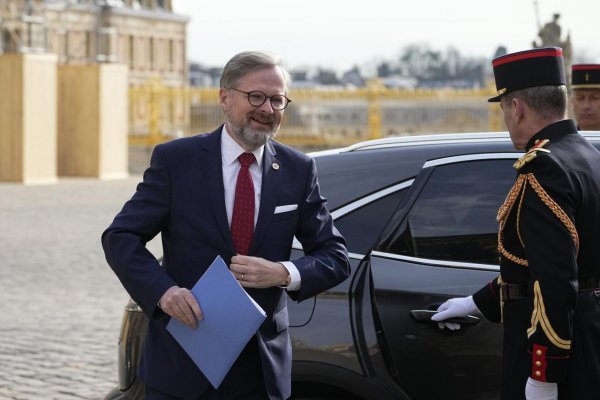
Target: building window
x=89 y=52
x=171 y=55
x=4 y=38
x=65 y=46
x=131 y=59
x=151 y=54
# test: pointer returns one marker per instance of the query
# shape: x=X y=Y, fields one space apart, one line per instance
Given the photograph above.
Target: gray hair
x=548 y=102
x=249 y=61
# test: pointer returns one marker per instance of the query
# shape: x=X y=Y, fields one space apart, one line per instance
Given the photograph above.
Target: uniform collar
x=553 y=132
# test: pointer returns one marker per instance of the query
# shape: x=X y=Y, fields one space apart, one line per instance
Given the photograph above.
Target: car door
x=440 y=243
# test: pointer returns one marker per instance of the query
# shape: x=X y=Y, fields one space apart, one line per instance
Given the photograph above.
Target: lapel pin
x=275 y=166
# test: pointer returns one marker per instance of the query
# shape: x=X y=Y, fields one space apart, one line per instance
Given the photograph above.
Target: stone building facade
x=145 y=35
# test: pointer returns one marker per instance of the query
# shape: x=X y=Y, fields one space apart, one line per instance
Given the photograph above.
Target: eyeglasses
x=257 y=98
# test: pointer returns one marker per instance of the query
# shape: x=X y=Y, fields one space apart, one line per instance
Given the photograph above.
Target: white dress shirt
x=230 y=151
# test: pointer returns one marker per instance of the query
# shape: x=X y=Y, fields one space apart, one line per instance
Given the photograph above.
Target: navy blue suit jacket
x=182 y=198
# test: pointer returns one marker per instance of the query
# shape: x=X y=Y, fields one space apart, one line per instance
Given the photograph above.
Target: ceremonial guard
x=547 y=295
x=585 y=83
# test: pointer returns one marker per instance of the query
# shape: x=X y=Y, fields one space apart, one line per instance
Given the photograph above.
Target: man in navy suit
x=189 y=196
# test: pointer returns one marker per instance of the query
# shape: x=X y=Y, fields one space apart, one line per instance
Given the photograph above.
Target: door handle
x=424 y=316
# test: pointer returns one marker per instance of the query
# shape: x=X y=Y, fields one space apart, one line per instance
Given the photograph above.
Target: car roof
x=348 y=173
x=428 y=139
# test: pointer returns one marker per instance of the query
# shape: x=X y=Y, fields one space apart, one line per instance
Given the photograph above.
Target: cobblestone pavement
x=60 y=303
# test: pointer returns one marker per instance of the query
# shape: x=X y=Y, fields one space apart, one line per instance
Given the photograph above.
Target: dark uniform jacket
x=549 y=244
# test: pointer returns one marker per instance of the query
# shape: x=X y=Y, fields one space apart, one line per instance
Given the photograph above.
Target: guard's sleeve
x=546 y=227
x=487 y=299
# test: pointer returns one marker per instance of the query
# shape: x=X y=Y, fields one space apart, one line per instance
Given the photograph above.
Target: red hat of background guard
x=585 y=76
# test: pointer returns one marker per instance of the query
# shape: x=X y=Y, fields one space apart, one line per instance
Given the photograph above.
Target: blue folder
x=231 y=318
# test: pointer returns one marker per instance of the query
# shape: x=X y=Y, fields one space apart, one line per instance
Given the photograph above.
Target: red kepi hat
x=585 y=76
x=530 y=68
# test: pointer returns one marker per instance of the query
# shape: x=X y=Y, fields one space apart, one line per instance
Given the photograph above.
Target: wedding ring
x=242 y=277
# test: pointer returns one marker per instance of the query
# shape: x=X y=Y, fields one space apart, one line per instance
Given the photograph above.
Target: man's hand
x=457 y=307
x=255 y=272
x=537 y=390
x=181 y=304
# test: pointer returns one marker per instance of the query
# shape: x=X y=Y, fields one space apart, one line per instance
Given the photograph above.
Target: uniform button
x=538 y=363
x=539 y=352
x=538 y=373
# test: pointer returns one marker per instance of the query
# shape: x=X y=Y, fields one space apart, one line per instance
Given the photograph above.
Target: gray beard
x=250 y=139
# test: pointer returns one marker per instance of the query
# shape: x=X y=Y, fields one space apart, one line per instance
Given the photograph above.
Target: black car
x=419 y=216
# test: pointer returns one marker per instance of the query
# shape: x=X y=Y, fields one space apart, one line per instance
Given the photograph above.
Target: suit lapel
x=271 y=184
x=213 y=175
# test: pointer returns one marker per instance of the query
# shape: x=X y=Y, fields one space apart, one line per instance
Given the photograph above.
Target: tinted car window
x=362 y=226
x=454 y=216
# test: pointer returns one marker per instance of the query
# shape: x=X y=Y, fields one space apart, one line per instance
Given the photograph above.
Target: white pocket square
x=286 y=208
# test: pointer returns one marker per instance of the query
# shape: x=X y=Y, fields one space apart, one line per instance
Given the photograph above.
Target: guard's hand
x=181 y=304
x=456 y=307
x=256 y=272
x=537 y=390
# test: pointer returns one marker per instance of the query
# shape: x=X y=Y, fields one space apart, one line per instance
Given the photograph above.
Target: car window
x=454 y=216
x=362 y=226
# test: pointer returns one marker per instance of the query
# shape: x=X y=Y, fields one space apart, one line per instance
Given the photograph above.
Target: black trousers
x=244 y=381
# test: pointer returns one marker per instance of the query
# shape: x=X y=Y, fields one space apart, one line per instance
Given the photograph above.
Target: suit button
x=539 y=352
x=538 y=373
x=538 y=363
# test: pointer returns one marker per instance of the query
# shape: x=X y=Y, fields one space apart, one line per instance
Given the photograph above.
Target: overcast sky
x=341 y=33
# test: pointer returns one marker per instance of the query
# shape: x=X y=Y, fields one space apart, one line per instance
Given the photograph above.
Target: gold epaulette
x=531 y=154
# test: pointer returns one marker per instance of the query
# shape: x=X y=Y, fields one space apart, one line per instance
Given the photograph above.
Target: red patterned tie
x=242 y=220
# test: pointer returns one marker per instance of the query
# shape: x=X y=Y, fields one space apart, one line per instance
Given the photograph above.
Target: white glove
x=537 y=390
x=456 y=307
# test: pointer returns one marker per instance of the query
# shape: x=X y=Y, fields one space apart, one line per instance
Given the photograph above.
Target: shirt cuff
x=294 y=275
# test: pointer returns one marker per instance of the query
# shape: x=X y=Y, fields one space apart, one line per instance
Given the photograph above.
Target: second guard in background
x=548 y=293
x=585 y=84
